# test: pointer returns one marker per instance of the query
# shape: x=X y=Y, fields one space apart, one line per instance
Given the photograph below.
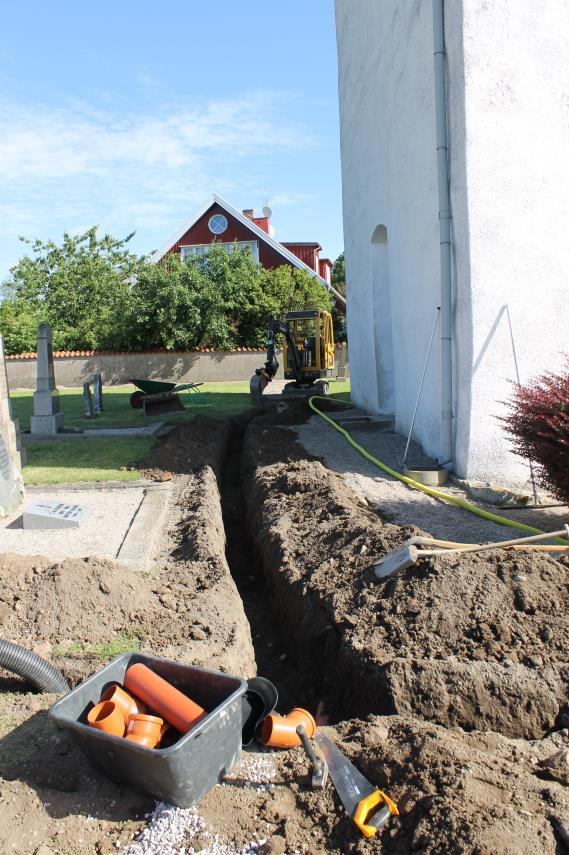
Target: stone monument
x=47 y=418
x=98 y=393
x=11 y=483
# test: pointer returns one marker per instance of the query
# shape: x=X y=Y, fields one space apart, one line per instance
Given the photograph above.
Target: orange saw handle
x=367 y=819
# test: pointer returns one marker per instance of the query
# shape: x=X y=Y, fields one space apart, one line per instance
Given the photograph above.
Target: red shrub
x=539 y=426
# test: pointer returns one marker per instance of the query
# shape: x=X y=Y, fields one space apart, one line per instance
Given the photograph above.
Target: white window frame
x=202 y=248
x=218 y=216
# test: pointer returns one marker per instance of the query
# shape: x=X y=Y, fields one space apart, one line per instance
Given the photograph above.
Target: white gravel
x=171 y=829
x=100 y=535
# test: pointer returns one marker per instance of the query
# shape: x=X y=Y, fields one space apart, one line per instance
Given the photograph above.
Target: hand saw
x=365 y=804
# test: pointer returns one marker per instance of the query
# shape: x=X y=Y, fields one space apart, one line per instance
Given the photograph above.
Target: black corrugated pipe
x=37 y=671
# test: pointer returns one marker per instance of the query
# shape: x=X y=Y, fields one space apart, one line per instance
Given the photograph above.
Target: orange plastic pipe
x=279 y=731
x=145 y=730
x=162 y=698
x=130 y=706
x=107 y=716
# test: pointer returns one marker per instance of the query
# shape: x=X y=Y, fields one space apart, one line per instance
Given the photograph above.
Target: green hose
x=437 y=494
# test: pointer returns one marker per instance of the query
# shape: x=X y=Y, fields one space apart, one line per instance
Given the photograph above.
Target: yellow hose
x=437 y=494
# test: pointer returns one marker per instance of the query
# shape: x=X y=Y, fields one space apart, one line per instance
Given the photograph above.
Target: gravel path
x=403 y=505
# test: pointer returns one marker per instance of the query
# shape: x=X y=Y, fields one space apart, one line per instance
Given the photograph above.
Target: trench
x=277 y=659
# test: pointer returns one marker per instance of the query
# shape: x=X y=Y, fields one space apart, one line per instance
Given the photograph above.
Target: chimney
x=249 y=213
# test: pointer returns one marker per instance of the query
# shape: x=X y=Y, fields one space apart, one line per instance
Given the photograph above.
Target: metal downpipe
x=447 y=443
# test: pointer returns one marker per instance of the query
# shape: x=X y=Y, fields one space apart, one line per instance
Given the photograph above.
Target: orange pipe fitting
x=161 y=697
x=130 y=706
x=108 y=717
x=279 y=731
x=145 y=730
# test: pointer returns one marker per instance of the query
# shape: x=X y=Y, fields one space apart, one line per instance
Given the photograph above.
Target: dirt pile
x=187 y=448
x=47 y=790
x=84 y=612
x=456 y=791
x=475 y=641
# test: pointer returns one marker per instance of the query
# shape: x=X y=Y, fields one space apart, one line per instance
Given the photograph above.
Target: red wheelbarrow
x=158 y=396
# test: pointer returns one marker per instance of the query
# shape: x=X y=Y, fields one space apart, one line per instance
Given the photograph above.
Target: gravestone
x=47 y=418
x=11 y=483
x=53 y=515
x=88 y=401
x=98 y=394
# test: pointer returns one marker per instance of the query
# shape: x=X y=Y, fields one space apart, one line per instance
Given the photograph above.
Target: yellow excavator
x=308 y=355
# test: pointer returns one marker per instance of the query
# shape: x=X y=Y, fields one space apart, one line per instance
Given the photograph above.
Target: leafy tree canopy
x=81 y=288
x=339 y=274
x=96 y=294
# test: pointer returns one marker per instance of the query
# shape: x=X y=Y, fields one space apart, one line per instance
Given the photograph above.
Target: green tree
x=339 y=283
x=218 y=299
x=339 y=274
x=96 y=294
x=81 y=288
x=284 y=289
x=19 y=326
x=193 y=303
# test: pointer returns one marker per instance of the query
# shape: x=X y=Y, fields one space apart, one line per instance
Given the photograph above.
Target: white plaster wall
x=508 y=108
x=389 y=178
x=516 y=61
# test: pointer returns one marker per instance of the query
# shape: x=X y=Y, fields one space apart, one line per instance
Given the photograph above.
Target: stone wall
x=118 y=368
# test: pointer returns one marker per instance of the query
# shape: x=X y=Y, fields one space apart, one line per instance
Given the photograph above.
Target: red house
x=216 y=221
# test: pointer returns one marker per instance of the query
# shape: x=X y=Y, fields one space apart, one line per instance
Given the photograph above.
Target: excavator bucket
x=257 y=386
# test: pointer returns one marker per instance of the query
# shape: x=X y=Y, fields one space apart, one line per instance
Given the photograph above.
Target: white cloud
x=287 y=200
x=61 y=168
x=56 y=143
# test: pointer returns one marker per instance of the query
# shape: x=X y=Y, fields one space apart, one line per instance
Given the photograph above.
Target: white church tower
x=471 y=97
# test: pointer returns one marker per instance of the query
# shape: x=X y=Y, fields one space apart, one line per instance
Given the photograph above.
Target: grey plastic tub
x=182 y=773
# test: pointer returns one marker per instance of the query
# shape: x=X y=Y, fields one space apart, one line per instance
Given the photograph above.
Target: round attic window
x=217 y=224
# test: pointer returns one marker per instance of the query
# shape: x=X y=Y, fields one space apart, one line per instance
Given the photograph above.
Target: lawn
x=217 y=400
x=85 y=460
x=104 y=459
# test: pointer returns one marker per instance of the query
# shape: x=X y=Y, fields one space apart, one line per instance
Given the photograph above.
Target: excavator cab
x=308 y=354
x=313 y=338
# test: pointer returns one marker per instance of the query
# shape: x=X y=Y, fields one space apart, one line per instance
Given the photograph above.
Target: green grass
x=216 y=400
x=105 y=459
x=106 y=650
x=85 y=460
x=103 y=650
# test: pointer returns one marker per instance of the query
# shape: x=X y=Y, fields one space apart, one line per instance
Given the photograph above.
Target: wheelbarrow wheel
x=137 y=400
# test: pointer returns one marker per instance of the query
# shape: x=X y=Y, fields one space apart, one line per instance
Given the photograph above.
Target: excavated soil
x=445 y=685
x=473 y=641
x=188 y=606
x=81 y=613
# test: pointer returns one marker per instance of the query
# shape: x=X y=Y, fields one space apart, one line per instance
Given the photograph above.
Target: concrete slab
x=106 y=530
x=142 y=538
x=93 y=433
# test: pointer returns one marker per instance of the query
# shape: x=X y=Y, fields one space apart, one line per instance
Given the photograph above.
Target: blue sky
x=129 y=115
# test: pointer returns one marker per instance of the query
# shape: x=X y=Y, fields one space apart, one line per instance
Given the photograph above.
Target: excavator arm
x=264 y=375
x=307 y=359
